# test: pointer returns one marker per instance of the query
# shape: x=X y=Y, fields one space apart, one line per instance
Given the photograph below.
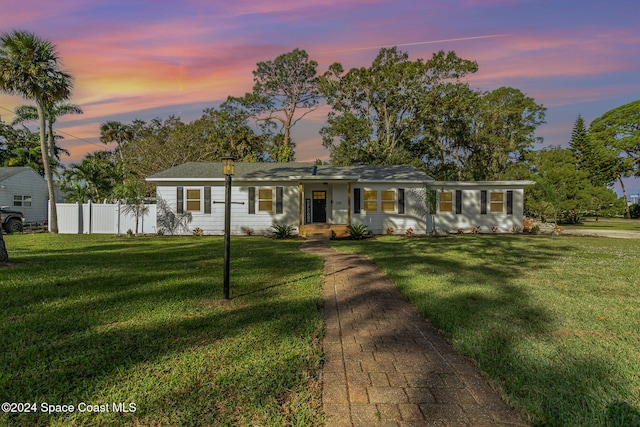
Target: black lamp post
x=228 y=169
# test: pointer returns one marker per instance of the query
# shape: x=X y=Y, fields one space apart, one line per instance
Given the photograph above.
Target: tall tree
x=26 y=113
x=379 y=113
x=161 y=144
x=615 y=137
x=562 y=191
x=20 y=147
x=579 y=142
x=502 y=130
x=114 y=131
x=284 y=92
x=30 y=67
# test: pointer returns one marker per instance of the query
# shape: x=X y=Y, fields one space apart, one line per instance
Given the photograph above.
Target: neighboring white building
x=315 y=197
x=24 y=190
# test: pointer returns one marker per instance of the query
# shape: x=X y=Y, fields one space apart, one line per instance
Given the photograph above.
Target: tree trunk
x=4 y=255
x=624 y=196
x=52 y=141
x=53 y=223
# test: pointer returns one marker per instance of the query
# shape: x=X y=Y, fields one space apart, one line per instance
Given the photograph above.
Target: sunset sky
x=140 y=59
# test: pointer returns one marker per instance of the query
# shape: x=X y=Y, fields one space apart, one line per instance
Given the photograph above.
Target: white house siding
x=26 y=183
x=471 y=214
x=242 y=222
x=378 y=221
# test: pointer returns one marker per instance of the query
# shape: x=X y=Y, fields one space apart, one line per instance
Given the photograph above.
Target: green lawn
x=100 y=320
x=554 y=321
x=608 y=224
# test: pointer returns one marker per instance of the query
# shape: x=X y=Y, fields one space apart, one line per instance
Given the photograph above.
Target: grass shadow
x=487 y=295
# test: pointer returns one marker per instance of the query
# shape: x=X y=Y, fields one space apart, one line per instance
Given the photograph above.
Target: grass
x=608 y=224
x=102 y=320
x=553 y=321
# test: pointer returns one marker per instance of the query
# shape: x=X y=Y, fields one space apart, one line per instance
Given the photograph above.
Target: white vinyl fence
x=93 y=218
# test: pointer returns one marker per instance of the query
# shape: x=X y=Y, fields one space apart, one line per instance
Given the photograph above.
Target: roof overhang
x=325 y=178
x=476 y=184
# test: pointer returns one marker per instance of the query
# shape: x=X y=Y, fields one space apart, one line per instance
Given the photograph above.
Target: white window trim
x=186 y=199
x=23 y=198
x=504 y=202
x=258 y=199
x=394 y=201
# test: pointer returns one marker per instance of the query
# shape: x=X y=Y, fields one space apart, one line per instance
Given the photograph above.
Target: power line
x=63 y=132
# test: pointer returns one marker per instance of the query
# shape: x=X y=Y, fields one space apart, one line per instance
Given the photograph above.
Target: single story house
x=23 y=189
x=314 y=197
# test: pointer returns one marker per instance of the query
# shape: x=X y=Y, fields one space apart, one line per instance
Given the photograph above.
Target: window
x=193 y=200
x=388 y=200
x=458 y=202
x=371 y=200
x=356 y=200
x=19 y=200
x=496 y=201
x=265 y=200
x=446 y=201
x=509 y=202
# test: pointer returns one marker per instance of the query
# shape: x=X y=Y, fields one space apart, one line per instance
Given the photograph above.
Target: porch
x=325 y=206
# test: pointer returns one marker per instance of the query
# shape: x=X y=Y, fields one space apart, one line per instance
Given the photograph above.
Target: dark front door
x=319 y=206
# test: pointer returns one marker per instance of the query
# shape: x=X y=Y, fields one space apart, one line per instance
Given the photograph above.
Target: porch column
x=348 y=203
x=300 y=206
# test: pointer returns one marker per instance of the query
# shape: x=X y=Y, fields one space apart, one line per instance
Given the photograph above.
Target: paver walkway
x=387 y=365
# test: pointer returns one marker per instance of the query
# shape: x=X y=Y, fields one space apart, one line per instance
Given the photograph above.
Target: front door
x=319 y=206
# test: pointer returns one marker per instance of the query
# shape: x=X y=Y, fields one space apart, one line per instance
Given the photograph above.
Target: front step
x=325 y=231
x=319 y=234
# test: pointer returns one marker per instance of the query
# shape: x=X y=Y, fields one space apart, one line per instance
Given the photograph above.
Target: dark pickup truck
x=11 y=221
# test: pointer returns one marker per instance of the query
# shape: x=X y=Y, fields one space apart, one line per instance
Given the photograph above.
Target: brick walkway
x=385 y=364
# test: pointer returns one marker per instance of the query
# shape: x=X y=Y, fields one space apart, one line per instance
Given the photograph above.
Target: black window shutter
x=483 y=202
x=278 y=200
x=458 y=201
x=180 y=200
x=510 y=202
x=252 y=200
x=356 y=200
x=400 y=200
x=207 y=200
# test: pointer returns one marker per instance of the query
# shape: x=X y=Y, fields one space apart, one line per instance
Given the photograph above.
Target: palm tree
x=29 y=67
x=25 y=113
x=114 y=131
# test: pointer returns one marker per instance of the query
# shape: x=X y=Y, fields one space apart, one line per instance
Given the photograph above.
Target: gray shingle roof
x=283 y=171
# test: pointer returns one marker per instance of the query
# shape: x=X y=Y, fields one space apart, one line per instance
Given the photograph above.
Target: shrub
x=460 y=230
x=494 y=229
x=515 y=229
x=197 y=231
x=409 y=232
x=282 y=231
x=535 y=229
x=475 y=230
x=171 y=221
x=160 y=232
x=249 y=231
x=390 y=230
x=359 y=231
x=129 y=233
